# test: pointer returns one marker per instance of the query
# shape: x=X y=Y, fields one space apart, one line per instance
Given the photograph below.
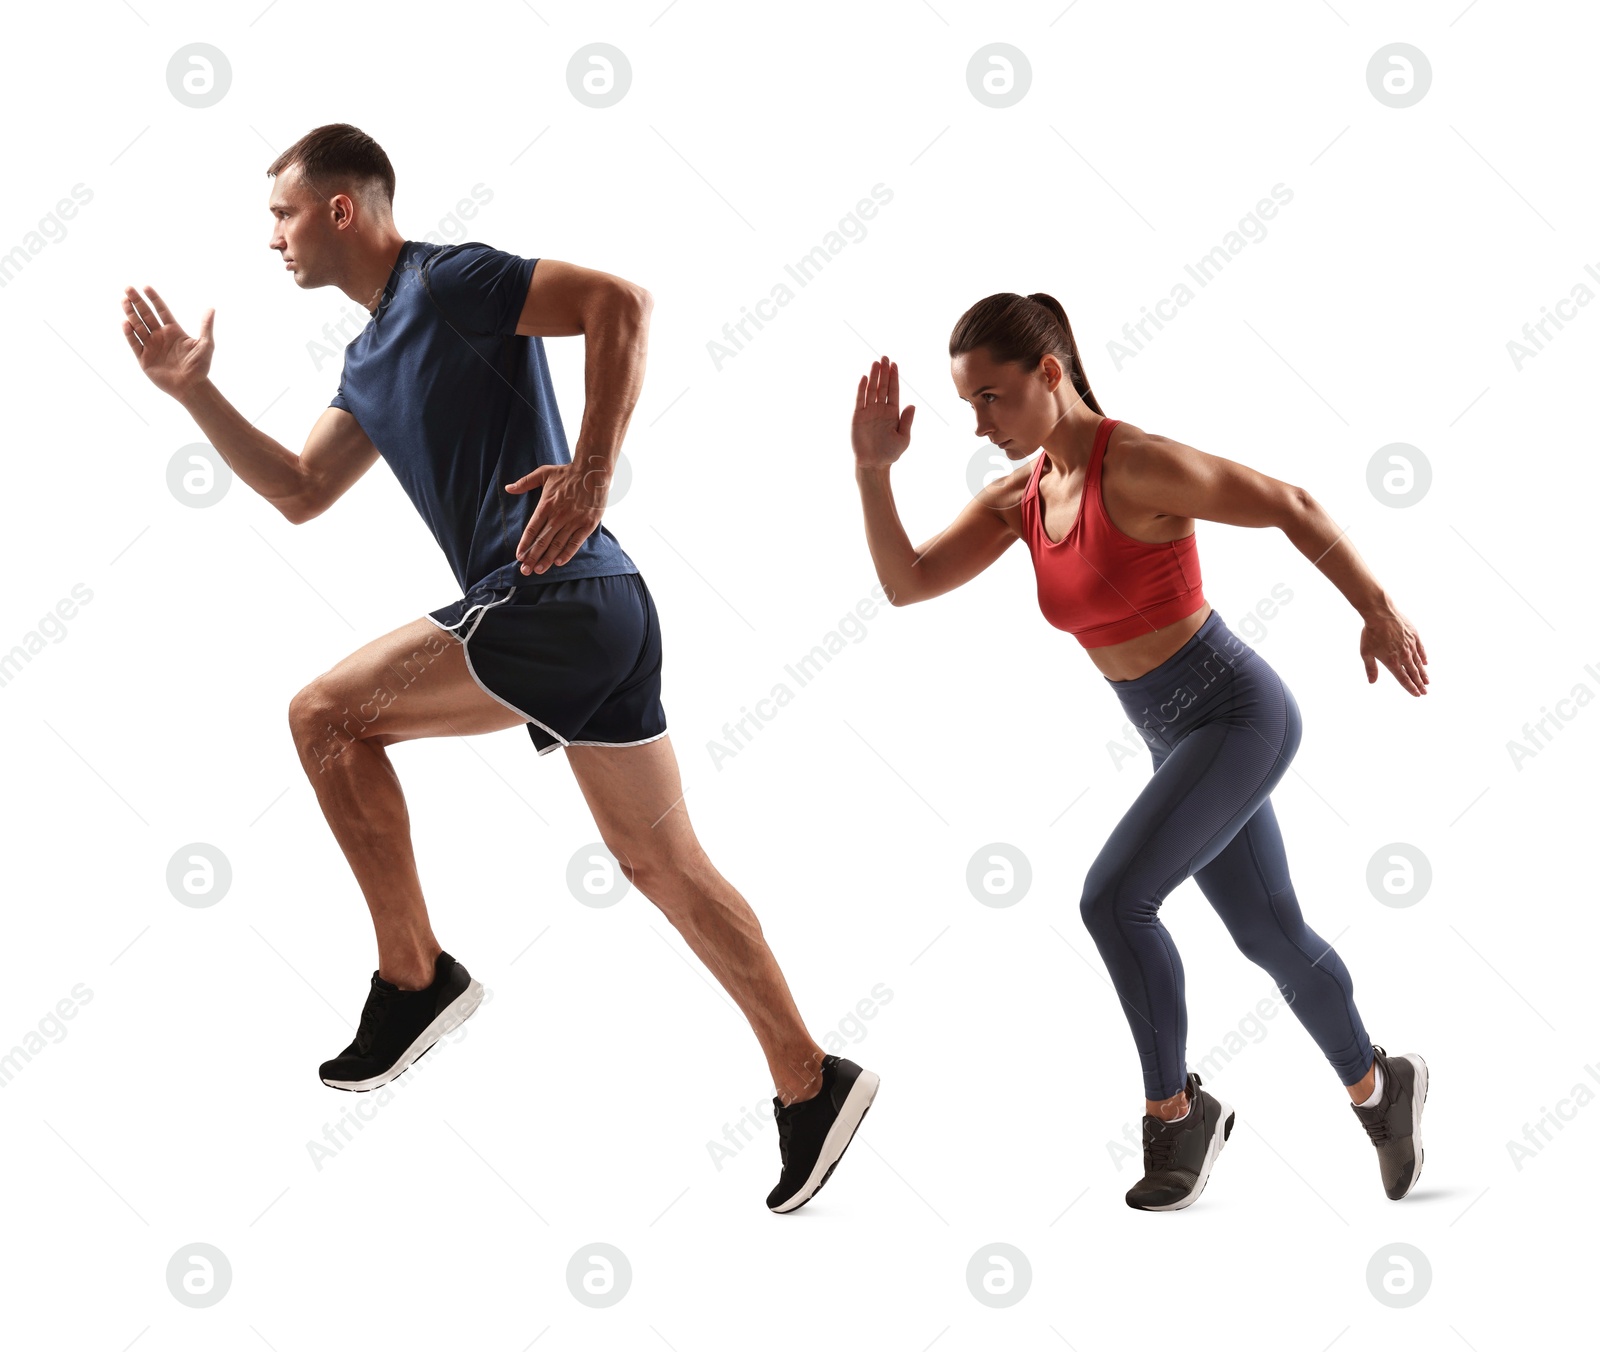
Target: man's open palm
x=170 y=357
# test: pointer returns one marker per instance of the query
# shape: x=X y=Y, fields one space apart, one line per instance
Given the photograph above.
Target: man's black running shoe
x=397 y=1027
x=1394 y=1122
x=813 y=1133
x=1178 y=1155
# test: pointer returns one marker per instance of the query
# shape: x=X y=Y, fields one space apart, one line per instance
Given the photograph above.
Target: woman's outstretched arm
x=1161 y=475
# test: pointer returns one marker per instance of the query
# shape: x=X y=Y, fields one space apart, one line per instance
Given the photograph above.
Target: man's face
x=306 y=228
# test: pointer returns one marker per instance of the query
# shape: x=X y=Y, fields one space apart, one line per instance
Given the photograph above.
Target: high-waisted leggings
x=1222 y=728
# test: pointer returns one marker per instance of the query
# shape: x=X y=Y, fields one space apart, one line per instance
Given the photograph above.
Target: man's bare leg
x=637 y=801
x=412 y=682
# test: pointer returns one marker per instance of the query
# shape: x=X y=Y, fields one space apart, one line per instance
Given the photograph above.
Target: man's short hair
x=337 y=157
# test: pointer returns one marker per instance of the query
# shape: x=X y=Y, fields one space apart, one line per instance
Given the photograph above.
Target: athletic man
x=555 y=628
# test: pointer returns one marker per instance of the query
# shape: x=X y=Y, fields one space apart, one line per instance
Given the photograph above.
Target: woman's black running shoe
x=813 y=1133
x=1394 y=1122
x=397 y=1027
x=1178 y=1155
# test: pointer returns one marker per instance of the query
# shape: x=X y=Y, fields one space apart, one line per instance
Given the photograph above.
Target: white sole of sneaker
x=1419 y=1096
x=451 y=1017
x=856 y=1103
x=1218 y=1138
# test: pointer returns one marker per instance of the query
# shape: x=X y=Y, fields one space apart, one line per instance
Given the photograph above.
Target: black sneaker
x=813 y=1133
x=397 y=1027
x=1178 y=1155
x=1394 y=1121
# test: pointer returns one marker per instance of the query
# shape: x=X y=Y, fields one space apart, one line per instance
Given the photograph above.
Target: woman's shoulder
x=1135 y=451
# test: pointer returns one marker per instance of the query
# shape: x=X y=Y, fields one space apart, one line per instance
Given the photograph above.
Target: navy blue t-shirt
x=460 y=406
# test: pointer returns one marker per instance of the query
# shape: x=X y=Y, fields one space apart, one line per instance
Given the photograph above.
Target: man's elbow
x=300 y=508
x=616 y=306
x=634 y=304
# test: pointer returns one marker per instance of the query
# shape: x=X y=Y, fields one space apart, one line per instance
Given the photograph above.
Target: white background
x=178 y=1105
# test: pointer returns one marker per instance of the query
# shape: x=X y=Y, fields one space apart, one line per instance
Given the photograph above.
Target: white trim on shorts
x=657 y=737
x=483 y=608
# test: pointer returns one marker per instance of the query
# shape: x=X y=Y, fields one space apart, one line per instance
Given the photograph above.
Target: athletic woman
x=1108 y=512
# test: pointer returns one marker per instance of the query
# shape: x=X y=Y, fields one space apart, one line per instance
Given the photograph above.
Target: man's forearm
x=273 y=470
x=614 y=347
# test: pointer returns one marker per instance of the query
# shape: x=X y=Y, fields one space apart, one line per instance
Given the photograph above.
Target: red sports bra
x=1099 y=584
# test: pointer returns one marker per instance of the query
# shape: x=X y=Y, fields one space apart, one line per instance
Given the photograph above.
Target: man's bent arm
x=270 y=468
x=615 y=340
x=337 y=453
x=613 y=315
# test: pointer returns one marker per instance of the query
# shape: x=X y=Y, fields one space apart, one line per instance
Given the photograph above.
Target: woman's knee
x=1107 y=904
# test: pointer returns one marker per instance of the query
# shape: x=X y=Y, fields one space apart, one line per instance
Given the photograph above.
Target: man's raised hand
x=173 y=360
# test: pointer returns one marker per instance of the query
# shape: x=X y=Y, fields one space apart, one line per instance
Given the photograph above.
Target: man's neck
x=373 y=270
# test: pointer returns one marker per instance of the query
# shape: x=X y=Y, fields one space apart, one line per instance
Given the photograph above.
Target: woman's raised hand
x=879 y=431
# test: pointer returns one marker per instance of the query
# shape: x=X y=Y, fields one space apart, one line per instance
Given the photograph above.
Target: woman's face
x=1014 y=408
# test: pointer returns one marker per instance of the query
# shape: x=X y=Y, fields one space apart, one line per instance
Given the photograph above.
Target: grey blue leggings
x=1222 y=728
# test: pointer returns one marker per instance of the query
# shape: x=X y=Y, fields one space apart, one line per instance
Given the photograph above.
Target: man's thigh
x=412 y=682
x=637 y=799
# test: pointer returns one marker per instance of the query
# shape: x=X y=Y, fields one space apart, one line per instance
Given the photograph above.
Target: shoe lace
x=1159 y=1148
x=1376 y=1124
x=785 y=1123
x=1375 y=1120
x=371 y=1017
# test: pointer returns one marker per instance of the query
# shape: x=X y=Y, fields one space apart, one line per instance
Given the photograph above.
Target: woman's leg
x=1248 y=886
x=1211 y=777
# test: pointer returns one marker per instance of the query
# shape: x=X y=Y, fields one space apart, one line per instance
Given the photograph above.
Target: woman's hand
x=173 y=360
x=1390 y=638
x=571 y=503
x=879 y=432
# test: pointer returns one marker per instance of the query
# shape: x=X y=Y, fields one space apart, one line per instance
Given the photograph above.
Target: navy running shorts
x=579 y=659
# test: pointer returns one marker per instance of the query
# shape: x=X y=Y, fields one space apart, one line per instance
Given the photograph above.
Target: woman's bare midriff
x=1130 y=660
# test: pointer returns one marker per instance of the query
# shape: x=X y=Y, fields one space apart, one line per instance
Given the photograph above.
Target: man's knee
x=323 y=725
x=660 y=869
